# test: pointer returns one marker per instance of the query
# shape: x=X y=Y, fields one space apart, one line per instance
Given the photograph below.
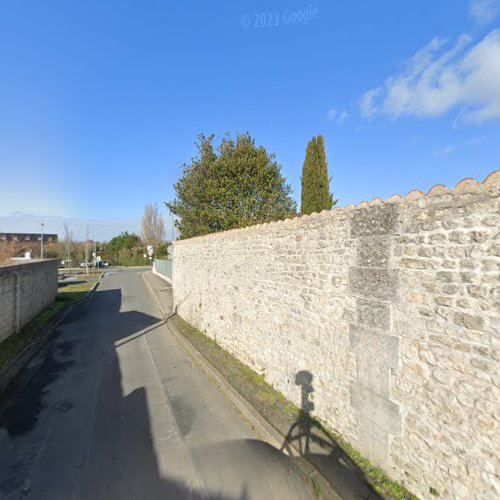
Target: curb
x=163 y=277
x=256 y=421
x=10 y=372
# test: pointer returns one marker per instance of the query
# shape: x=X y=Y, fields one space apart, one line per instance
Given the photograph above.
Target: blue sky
x=101 y=101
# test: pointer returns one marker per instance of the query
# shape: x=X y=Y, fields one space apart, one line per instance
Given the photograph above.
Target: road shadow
x=20 y=413
x=122 y=462
x=307 y=438
x=99 y=446
x=62 y=284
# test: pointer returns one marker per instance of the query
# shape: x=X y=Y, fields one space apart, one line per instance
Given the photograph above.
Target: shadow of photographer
x=307 y=438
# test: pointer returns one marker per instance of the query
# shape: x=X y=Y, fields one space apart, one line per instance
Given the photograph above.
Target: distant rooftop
x=28 y=237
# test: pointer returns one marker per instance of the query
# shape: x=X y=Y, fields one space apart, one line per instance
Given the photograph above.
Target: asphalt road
x=116 y=409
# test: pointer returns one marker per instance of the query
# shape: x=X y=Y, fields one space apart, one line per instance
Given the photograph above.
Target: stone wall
x=25 y=290
x=393 y=307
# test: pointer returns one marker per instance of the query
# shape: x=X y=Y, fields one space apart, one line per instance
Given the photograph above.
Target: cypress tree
x=315 y=195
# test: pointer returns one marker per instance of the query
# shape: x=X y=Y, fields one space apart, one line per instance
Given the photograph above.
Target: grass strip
x=66 y=295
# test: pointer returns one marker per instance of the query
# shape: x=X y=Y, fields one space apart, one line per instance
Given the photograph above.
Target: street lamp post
x=41 y=242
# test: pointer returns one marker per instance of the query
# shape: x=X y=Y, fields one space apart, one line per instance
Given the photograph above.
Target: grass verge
x=66 y=295
x=283 y=415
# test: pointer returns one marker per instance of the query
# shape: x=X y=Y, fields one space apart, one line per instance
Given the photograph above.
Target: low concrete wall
x=25 y=290
x=394 y=310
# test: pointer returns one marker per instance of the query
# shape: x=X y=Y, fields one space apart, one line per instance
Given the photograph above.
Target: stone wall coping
x=14 y=266
x=468 y=183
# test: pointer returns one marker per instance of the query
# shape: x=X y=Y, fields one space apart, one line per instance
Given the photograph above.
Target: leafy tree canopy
x=235 y=185
x=125 y=250
x=123 y=240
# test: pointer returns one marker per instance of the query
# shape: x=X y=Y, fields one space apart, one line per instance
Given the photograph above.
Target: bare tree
x=152 y=226
x=8 y=250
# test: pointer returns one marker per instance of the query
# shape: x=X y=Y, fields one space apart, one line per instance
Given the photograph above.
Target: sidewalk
x=162 y=293
x=277 y=421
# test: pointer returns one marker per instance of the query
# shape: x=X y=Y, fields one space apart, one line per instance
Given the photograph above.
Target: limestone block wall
x=393 y=307
x=25 y=290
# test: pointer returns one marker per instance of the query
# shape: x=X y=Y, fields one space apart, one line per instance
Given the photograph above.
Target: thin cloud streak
x=440 y=78
x=484 y=11
x=451 y=148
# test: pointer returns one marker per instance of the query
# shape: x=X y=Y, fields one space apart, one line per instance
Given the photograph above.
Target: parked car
x=84 y=263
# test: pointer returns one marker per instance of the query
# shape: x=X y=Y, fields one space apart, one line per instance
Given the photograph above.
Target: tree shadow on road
x=20 y=413
x=72 y=431
x=307 y=438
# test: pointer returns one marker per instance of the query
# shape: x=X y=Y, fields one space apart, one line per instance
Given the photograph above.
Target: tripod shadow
x=308 y=438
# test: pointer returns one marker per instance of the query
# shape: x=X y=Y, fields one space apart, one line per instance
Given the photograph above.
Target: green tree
x=162 y=251
x=125 y=250
x=235 y=185
x=315 y=195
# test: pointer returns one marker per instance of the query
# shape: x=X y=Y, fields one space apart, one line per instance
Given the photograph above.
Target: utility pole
x=41 y=242
x=87 y=251
x=68 y=253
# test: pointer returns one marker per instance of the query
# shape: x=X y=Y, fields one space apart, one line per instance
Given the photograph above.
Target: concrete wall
x=25 y=290
x=394 y=307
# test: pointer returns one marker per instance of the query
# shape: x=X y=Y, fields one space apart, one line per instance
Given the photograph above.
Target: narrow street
x=117 y=409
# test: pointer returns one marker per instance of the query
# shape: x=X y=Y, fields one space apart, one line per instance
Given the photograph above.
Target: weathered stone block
x=477 y=291
x=380 y=284
x=446 y=276
x=373 y=442
x=444 y=301
x=374 y=345
x=375 y=355
x=373 y=375
x=435 y=239
x=495 y=250
x=468 y=321
x=373 y=252
x=377 y=409
x=374 y=314
x=375 y=220
x=425 y=252
x=414 y=263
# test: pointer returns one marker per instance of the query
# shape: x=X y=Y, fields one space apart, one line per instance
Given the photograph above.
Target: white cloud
x=447 y=149
x=338 y=117
x=332 y=113
x=343 y=117
x=439 y=78
x=367 y=103
x=484 y=11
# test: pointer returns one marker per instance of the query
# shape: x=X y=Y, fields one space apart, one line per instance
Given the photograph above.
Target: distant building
x=28 y=237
